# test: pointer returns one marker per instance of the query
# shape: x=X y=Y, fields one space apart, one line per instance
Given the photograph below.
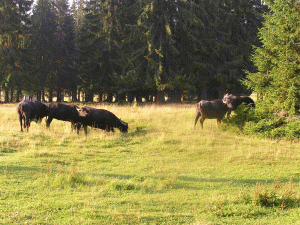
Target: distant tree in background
x=67 y=79
x=14 y=23
x=44 y=46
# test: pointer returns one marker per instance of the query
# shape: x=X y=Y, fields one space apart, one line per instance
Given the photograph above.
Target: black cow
x=31 y=111
x=214 y=109
x=102 y=119
x=64 y=112
x=233 y=101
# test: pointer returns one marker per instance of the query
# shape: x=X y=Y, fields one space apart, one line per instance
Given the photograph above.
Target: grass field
x=162 y=172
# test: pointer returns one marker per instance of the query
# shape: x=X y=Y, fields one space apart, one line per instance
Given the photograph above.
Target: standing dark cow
x=233 y=101
x=64 y=112
x=102 y=119
x=29 y=111
x=214 y=109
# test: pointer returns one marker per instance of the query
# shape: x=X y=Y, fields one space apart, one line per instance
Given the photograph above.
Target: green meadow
x=163 y=171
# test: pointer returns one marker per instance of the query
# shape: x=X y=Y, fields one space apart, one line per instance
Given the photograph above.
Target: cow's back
x=39 y=110
x=101 y=117
x=25 y=106
x=62 y=111
x=212 y=109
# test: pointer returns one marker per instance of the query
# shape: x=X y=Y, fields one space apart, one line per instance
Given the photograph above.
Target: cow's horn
x=125 y=124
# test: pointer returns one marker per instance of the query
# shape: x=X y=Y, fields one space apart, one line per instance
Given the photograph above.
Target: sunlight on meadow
x=163 y=171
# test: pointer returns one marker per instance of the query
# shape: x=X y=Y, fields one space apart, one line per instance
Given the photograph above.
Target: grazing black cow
x=102 y=119
x=31 y=111
x=64 y=112
x=214 y=109
x=233 y=101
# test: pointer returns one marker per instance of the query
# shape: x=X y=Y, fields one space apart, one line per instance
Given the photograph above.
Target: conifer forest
x=129 y=50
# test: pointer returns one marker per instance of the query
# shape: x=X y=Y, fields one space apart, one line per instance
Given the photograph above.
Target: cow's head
x=123 y=126
x=229 y=100
x=82 y=111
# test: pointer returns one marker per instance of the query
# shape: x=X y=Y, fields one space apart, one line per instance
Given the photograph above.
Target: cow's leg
x=201 y=122
x=73 y=126
x=218 y=123
x=78 y=126
x=107 y=128
x=228 y=113
x=85 y=129
x=196 y=119
x=20 y=119
x=24 y=123
x=27 y=123
x=48 y=121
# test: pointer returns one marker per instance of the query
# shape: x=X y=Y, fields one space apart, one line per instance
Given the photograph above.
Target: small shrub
x=258 y=122
x=279 y=195
x=264 y=126
x=123 y=185
x=241 y=116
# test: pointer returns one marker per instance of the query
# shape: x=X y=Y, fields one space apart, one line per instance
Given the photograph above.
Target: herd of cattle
x=86 y=116
x=99 y=118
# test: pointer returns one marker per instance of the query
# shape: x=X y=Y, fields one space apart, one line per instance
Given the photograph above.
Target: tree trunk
x=160 y=97
x=78 y=95
x=130 y=97
x=6 y=97
x=58 y=99
x=138 y=98
x=100 y=98
x=38 y=95
x=50 y=95
x=121 y=97
x=109 y=97
x=18 y=96
x=203 y=92
x=43 y=96
x=175 y=97
x=11 y=94
x=89 y=97
x=74 y=95
x=221 y=91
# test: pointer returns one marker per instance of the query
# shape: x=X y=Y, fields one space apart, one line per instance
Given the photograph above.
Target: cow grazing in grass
x=31 y=111
x=233 y=101
x=102 y=119
x=64 y=112
x=214 y=109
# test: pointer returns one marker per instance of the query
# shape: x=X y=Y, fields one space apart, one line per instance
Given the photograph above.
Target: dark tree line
x=126 y=50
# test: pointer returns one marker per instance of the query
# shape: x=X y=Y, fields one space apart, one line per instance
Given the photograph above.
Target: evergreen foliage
x=45 y=46
x=277 y=80
x=13 y=40
x=138 y=48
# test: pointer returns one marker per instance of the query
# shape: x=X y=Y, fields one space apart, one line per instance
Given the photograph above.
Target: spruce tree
x=44 y=47
x=277 y=81
x=67 y=77
x=14 y=22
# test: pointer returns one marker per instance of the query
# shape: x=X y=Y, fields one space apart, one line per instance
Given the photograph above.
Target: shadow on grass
x=139 y=131
x=18 y=169
x=6 y=150
x=238 y=182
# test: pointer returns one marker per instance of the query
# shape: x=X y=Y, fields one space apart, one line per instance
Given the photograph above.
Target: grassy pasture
x=161 y=172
